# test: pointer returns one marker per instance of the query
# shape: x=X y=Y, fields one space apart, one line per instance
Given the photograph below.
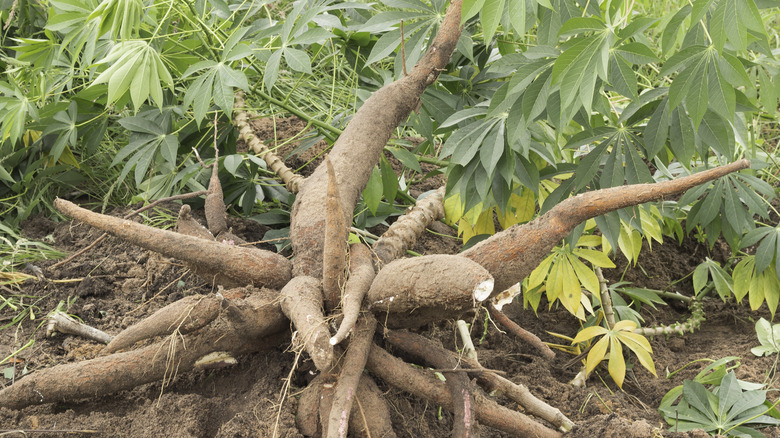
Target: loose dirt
x=117 y=285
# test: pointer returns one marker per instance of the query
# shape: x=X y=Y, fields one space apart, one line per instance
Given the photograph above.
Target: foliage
x=729 y=409
x=769 y=337
x=611 y=345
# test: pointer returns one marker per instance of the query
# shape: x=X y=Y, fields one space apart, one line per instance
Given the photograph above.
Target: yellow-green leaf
x=596 y=354
x=589 y=333
x=597 y=258
x=641 y=347
x=540 y=273
x=571 y=290
x=743 y=276
x=617 y=365
x=586 y=275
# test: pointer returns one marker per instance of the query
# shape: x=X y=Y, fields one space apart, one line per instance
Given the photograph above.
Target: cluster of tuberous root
x=263 y=292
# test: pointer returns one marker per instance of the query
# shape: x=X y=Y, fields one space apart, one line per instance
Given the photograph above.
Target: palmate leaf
x=14 y=111
x=769 y=336
x=728 y=409
x=135 y=67
x=121 y=17
x=723 y=282
x=64 y=124
x=148 y=138
x=612 y=342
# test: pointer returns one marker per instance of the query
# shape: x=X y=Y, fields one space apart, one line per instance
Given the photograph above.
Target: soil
x=117 y=285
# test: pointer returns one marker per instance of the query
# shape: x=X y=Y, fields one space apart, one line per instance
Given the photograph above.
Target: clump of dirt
x=117 y=285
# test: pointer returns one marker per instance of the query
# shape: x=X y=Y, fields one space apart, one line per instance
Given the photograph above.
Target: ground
x=118 y=285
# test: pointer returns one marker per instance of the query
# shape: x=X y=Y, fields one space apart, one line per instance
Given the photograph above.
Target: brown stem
x=230 y=265
x=360 y=146
x=404 y=232
x=520 y=332
x=513 y=253
x=245 y=132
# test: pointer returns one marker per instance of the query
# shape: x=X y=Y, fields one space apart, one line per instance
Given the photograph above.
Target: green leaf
x=682 y=138
x=716 y=133
x=577 y=25
x=406 y=158
x=298 y=60
x=470 y=8
x=636 y=53
x=622 y=77
x=491 y=14
x=672 y=29
x=389 y=180
x=272 y=69
x=657 y=129
x=136 y=64
x=517 y=9
x=372 y=194
x=722 y=98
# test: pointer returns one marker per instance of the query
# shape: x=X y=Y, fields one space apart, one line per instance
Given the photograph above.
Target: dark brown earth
x=118 y=285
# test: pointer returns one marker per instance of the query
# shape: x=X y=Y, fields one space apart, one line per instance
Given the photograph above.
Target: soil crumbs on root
x=118 y=285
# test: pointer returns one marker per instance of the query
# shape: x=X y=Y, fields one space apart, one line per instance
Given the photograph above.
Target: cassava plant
x=549 y=113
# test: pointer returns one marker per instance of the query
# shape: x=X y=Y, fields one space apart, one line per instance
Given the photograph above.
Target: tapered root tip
x=483 y=290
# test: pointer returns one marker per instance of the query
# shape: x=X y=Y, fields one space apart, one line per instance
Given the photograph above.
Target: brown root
x=214 y=205
x=512 y=254
x=420 y=290
x=108 y=374
x=424 y=348
x=404 y=232
x=335 y=246
x=302 y=304
x=349 y=377
x=361 y=274
x=422 y=384
x=227 y=264
x=360 y=146
x=520 y=332
x=458 y=383
x=187 y=225
x=184 y=316
x=370 y=414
